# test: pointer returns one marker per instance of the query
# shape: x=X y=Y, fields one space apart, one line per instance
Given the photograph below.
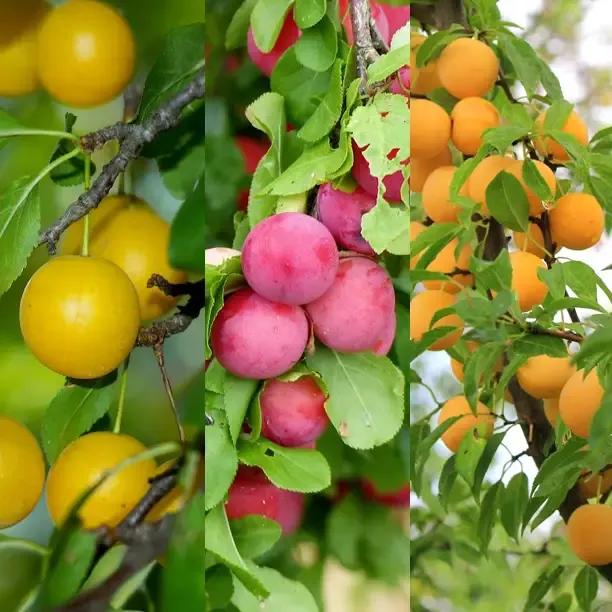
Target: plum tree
x=480 y=179
x=423 y=307
x=436 y=196
x=536 y=206
x=378 y=13
x=453 y=261
x=430 y=128
x=577 y=221
x=548 y=147
x=363 y=176
x=421 y=168
x=526 y=283
x=543 y=377
x=580 y=399
x=589 y=532
x=293 y=412
x=470 y=118
x=531 y=241
x=479 y=422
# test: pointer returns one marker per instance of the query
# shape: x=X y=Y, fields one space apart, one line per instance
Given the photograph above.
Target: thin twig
x=362 y=33
x=158 y=350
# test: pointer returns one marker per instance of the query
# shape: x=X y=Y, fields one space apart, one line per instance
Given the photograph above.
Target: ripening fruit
x=458 y=406
x=341 y=213
x=399 y=498
x=551 y=410
x=467 y=67
x=589 y=532
x=470 y=118
x=252 y=493
x=293 y=412
x=430 y=128
x=86 y=53
x=531 y=241
x=421 y=168
x=592 y=485
x=482 y=176
x=18 y=41
x=446 y=261
x=580 y=399
x=397 y=16
x=416 y=227
x=288 y=36
x=436 y=195
x=290 y=258
x=252 y=151
x=528 y=288
x=543 y=377
x=536 y=208
x=424 y=79
x=576 y=221
x=255 y=338
x=358 y=312
x=548 y=147
x=401 y=83
x=82 y=463
x=22 y=472
x=361 y=173
x=423 y=307
x=80 y=316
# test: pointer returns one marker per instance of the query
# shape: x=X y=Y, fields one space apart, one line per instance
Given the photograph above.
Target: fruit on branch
x=290 y=258
x=447 y=261
x=341 y=213
x=266 y=61
x=80 y=466
x=293 y=412
x=577 y=221
x=397 y=16
x=378 y=14
x=551 y=410
x=593 y=485
x=543 y=377
x=481 y=421
x=361 y=173
x=531 y=241
x=550 y=148
x=358 y=312
x=423 y=307
x=416 y=227
x=22 y=472
x=516 y=169
x=252 y=151
x=18 y=41
x=399 y=498
x=255 y=338
x=526 y=285
x=457 y=367
x=430 y=128
x=86 y=53
x=252 y=493
x=481 y=178
x=467 y=67
x=580 y=398
x=436 y=195
x=470 y=118
x=401 y=83
x=80 y=316
x=425 y=78
x=421 y=168
x=129 y=233
x=589 y=533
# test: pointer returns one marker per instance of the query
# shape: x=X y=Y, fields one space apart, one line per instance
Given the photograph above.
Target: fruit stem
x=122 y=392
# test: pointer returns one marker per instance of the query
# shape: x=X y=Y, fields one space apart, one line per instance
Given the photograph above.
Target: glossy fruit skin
x=436 y=195
x=580 y=399
x=526 y=284
x=358 y=310
x=80 y=316
x=255 y=338
x=531 y=241
x=420 y=168
x=86 y=53
x=574 y=126
x=543 y=377
x=293 y=412
x=430 y=128
x=459 y=407
x=290 y=258
x=361 y=173
x=470 y=118
x=22 y=472
x=252 y=493
x=577 y=221
x=591 y=485
x=393 y=499
x=589 y=532
x=82 y=463
x=341 y=213
x=482 y=176
x=125 y=230
x=551 y=411
x=423 y=307
x=288 y=36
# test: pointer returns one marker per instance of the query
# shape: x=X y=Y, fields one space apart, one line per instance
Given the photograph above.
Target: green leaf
x=221 y=462
x=535 y=181
x=254 y=535
x=493 y=443
x=366 y=403
x=293 y=469
x=386 y=227
x=585 y=587
x=73 y=412
x=557 y=114
x=388 y=63
x=309 y=12
x=19 y=227
x=532 y=345
x=495 y=275
x=542 y=585
x=488 y=514
x=219 y=587
x=514 y=503
x=236 y=34
x=448 y=477
x=435 y=43
x=507 y=202
x=317 y=47
x=267 y=20
x=500 y=138
x=238 y=394
x=344 y=529
x=524 y=60
x=468 y=457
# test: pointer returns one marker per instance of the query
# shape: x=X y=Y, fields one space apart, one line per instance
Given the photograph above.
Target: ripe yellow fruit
x=543 y=377
x=22 y=472
x=591 y=485
x=86 y=53
x=589 y=532
x=580 y=399
x=467 y=68
x=551 y=410
x=126 y=231
x=423 y=308
x=79 y=316
x=430 y=128
x=458 y=406
x=482 y=176
x=446 y=261
x=536 y=207
x=470 y=118
x=18 y=67
x=421 y=168
x=425 y=79
x=82 y=463
x=416 y=227
x=436 y=195
x=457 y=367
x=548 y=147
x=528 y=288
x=577 y=221
x=531 y=241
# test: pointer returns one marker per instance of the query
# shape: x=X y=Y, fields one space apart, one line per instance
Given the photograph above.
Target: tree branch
x=132 y=137
x=362 y=33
